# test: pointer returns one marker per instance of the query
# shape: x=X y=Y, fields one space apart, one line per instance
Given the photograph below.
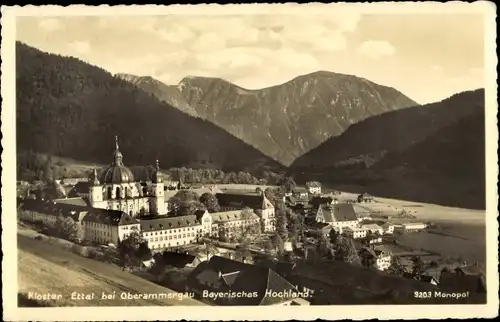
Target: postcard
x=249 y=161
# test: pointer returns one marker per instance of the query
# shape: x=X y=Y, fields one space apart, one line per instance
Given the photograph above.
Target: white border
x=9 y=271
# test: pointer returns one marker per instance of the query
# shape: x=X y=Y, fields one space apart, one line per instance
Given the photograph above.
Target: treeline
x=69 y=108
x=188 y=175
x=32 y=166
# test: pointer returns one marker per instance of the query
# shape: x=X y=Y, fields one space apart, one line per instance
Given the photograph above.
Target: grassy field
x=461 y=232
x=46 y=268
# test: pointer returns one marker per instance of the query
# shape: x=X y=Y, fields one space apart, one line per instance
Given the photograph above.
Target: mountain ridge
x=280 y=120
x=69 y=108
x=434 y=153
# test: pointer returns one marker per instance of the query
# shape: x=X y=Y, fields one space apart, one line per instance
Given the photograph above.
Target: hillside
x=447 y=167
x=433 y=153
x=165 y=93
x=47 y=268
x=69 y=108
x=287 y=120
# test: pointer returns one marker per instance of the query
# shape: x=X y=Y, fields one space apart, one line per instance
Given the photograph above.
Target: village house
x=313 y=188
x=318 y=201
x=355 y=232
x=365 y=197
x=229 y=223
x=294 y=201
x=339 y=216
x=465 y=278
x=427 y=279
x=180 y=259
x=319 y=229
x=376 y=257
x=388 y=228
x=373 y=228
x=257 y=285
x=80 y=189
x=300 y=192
x=257 y=202
x=72 y=181
x=410 y=227
x=370 y=240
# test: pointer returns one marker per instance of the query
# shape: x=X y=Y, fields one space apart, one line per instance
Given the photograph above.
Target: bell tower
x=158 y=197
x=95 y=193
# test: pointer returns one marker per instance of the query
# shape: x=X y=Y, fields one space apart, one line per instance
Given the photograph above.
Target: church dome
x=117 y=173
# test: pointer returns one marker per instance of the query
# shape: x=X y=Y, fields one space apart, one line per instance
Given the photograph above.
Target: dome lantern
x=117 y=173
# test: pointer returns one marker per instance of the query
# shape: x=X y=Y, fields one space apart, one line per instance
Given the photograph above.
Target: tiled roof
x=109 y=217
x=235 y=276
x=471 y=270
x=76 y=201
x=319 y=225
x=318 y=201
x=354 y=229
x=53 y=208
x=338 y=212
x=78 y=212
x=254 y=201
x=81 y=187
x=453 y=281
x=425 y=278
x=163 y=223
x=202 y=190
x=178 y=259
x=231 y=216
x=371 y=227
x=382 y=249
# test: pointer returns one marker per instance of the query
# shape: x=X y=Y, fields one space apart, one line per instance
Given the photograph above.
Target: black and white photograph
x=310 y=155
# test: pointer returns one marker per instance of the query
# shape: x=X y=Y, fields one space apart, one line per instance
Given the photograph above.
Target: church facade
x=116 y=189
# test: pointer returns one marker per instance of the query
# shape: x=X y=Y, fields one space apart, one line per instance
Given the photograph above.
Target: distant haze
x=428 y=57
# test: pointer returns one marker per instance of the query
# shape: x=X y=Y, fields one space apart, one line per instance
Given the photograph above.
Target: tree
x=396 y=267
x=417 y=265
x=210 y=202
x=68 y=228
x=434 y=265
x=48 y=174
x=333 y=235
x=209 y=248
x=269 y=248
x=185 y=202
x=289 y=184
x=324 y=247
x=130 y=249
x=281 y=220
x=346 y=251
x=188 y=208
x=242 y=250
x=313 y=184
x=279 y=244
x=143 y=252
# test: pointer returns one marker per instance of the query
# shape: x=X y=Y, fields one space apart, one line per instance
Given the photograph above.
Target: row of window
x=156 y=239
x=128 y=227
x=100 y=233
x=170 y=231
x=97 y=225
x=165 y=245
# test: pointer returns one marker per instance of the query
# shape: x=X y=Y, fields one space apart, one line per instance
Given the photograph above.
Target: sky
x=428 y=57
